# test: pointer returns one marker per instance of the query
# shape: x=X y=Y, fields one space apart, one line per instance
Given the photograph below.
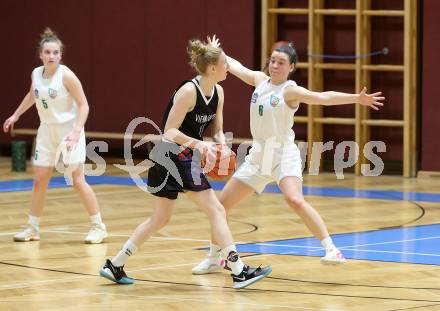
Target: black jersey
x=198 y=119
x=176 y=170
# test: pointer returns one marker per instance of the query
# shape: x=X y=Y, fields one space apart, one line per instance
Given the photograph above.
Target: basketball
x=224 y=165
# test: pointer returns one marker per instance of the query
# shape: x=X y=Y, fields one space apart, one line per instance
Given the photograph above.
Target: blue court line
x=59 y=182
x=419 y=245
x=366 y=194
x=410 y=245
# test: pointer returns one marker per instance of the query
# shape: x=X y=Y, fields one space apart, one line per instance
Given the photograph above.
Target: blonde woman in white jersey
x=62 y=107
x=274 y=155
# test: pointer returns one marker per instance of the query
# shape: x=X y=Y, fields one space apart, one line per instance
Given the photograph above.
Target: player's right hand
x=9 y=123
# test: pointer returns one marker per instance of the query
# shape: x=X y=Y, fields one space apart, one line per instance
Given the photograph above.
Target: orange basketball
x=224 y=165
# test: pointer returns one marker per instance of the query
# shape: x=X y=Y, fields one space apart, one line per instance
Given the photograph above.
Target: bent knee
x=216 y=210
x=159 y=223
x=226 y=204
x=41 y=181
x=79 y=183
x=295 y=202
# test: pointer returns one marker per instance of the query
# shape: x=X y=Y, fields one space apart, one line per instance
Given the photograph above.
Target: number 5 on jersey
x=44 y=103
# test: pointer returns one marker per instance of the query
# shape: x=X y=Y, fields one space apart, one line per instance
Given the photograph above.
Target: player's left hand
x=213 y=41
x=71 y=140
x=370 y=100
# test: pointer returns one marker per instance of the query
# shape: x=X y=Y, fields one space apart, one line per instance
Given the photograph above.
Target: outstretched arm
x=299 y=94
x=248 y=76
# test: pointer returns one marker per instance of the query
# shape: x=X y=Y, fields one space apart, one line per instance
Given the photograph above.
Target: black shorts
x=175 y=171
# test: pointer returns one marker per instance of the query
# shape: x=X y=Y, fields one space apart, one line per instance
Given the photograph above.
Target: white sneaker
x=29 y=234
x=97 y=234
x=333 y=257
x=208 y=265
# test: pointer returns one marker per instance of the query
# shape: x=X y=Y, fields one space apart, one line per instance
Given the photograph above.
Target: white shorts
x=51 y=145
x=263 y=167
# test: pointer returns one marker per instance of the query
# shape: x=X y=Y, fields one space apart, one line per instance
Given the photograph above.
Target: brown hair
x=49 y=36
x=287 y=48
x=202 y=55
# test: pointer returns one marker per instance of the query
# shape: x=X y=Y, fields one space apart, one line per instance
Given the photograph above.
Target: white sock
x=34 y=221
x=327 y=243
x=96 y=219
x=214 y=250
x=230 y=254
x=127 y=250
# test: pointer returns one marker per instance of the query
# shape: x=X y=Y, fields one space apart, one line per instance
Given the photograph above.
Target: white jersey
x=54 y=103
x=271 y=117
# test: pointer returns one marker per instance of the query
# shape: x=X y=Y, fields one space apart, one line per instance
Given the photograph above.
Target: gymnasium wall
x=128 y=57
x=386 y=32
x=340 y=39
x=430 y=108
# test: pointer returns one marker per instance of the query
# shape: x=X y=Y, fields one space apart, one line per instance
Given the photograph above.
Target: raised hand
x=213 y=41
x=370 y=100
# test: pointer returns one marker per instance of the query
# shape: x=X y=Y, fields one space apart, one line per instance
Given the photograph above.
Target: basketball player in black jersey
x=193 y=106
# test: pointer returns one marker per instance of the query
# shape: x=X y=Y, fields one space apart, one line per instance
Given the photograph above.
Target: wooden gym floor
x=388 y=227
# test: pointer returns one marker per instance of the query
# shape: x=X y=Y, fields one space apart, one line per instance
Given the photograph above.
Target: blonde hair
x=202 y=55
x=49 y=36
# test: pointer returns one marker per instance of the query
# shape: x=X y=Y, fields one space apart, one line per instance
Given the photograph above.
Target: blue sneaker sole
x=252 y=281
x=123 y=281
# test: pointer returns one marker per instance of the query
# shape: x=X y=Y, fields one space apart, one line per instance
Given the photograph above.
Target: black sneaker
x=115 y=274
x=250 y=275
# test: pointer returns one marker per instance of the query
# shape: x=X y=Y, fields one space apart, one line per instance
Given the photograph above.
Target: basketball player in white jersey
x=62 y=107
x=274 y=156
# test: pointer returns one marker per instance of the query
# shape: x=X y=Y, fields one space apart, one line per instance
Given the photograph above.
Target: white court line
x=390 y=242
x=127 y=235
x=164 y=298
x=151 y=267
x=42 y=282
x=115 y=235
x=391 y=252
x=201 y=300
x=310 y=248
x=75 y=278
x=154 y=267
x=7 y=233
x=375 y=251
x=289 y=246
x=350 y=247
